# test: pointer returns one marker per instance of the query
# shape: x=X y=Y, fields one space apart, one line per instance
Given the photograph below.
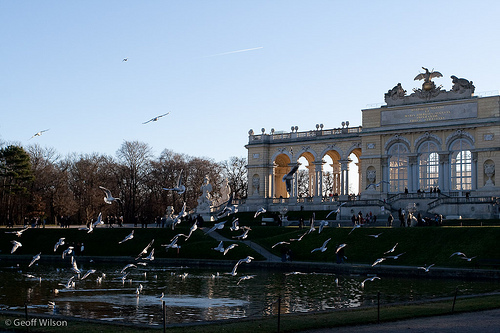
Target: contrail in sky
x=238 y=51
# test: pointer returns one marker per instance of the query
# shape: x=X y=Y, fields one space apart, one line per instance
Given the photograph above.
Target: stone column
x=271 y=180
x=412 y=173
x=318 y=184
x=474 y=171
x=385 y=175
x=444 y=172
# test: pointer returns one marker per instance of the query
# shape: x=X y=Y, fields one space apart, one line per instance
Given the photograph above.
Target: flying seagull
x=130 y=236
x=38 y=134
x=59 y=243
x=396 y=256
x=289 y=177
x=458 y=254
x=235 y=225
x=146 y=249
x=323 y=247
x=156 y=118
x=18 y=233
x=179 y=188
x=426 y=269
x=259 y=211
x=391 y=250
x=246 y=277
x=355 y=227
x=244 y=235
x=125 y=59
x=109 y=197
x=279 y=243
x=246 y=261
x=90 y=271
x=335 y=211
x=369 y=279
x=378 y=261
x=232 y=246
x=322 y=224
x=219 y=225
x=15 y=246
x=468 y=259
x=35 y=258
x=375 y=236
x=341 y=246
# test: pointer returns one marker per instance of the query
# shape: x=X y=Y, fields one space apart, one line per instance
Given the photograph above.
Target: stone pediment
x=461 y=89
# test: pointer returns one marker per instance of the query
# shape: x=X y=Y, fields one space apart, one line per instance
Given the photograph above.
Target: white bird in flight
x=156 y=118
x=181 y=214
x=396 y=256
x=219 y=226
x=426 y=269
x=68 y=251
x=244 y=235
x=18 y=233
x=219 y=247
x=245 y=260
x=246 y=277
x=279 y=243
x=235 y=225
x=68 y=284
x=378 y=261
x=458 y=254
x=109 y=197
x=130 y=236
x=391 y=250
x=468 y=259
x=369 y=279
x=375 y=236
x=323 y=247
x=259 y=211
x=146 y=249
x=15 y=246
x=232 y=246
x=99 y=221
x=355 y=227
x=38 y=134
x=90 y=271
x=341 y=246
x=322 y=224
x=35 y=258
x=127 y=267
x=335 y=211
x=178 y=188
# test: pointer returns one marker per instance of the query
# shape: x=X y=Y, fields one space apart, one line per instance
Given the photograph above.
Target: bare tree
x=236 y=173
x=134 y=159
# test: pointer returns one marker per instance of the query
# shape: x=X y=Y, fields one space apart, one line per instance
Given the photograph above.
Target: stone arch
x=281 y=164
x=331 y=181
x=397 y=139
x=427 y=137
x=310 y=178
x=459 y=134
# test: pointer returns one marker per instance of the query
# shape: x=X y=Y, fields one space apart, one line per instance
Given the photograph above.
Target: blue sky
x=312 y=62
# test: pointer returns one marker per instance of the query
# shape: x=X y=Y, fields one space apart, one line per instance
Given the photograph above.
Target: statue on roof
x=427 y=77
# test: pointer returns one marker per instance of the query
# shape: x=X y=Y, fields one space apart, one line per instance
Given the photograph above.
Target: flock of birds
x=147 y=254
x=39 y=133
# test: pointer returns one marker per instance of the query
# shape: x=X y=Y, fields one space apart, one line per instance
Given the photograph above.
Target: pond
x=193 y=294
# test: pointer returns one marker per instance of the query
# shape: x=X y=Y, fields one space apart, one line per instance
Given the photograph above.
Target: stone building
x=433 y=150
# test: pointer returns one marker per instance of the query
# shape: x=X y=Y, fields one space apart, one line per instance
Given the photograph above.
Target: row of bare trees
x=37 y=182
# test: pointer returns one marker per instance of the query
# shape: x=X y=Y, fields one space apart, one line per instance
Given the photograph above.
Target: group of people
x=408 y=219
x=369 y=218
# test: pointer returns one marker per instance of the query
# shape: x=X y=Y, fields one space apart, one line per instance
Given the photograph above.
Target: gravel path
x=470 y=322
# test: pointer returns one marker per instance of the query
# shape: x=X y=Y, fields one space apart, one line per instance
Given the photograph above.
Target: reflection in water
x=202 y=295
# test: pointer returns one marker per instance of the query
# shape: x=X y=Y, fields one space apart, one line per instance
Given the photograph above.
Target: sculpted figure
x=371 y=176
x=396 y=92
x=489 y=171
x=206 y=188
x=460 y=84
x=256 y=185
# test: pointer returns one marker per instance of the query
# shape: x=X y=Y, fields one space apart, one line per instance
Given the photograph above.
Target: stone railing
x=299 y=136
